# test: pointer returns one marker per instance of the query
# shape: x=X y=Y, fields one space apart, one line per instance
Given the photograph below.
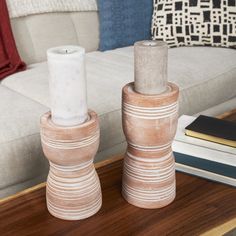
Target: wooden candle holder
x=149 y=124
x=73 y=188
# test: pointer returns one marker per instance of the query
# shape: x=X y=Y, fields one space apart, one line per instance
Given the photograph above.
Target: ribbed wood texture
x=73 y=189
x=149 y=124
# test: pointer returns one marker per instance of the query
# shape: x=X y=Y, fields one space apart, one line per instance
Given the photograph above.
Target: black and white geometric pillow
x=195 y=22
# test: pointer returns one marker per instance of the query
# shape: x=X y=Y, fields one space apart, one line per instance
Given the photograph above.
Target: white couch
x=206 y=76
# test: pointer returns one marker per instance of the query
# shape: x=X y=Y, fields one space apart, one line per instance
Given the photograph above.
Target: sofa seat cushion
x=206 y=76
x=21 y=157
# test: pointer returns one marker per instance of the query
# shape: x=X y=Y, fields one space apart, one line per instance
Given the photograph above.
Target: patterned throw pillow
x=195 y=22
x=123 y=22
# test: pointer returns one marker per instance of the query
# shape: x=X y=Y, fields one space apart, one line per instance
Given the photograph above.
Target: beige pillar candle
x=150 y=62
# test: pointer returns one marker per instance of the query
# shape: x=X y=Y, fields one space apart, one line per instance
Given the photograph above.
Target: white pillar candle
x=67 y=84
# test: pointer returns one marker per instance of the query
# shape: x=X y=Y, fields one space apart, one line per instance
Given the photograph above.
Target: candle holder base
x=149 y=124
x=73 y=190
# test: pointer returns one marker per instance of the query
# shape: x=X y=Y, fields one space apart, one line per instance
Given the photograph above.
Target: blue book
x=208 y=169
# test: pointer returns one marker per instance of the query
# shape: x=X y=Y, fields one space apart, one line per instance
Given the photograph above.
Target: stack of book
x=203 y=158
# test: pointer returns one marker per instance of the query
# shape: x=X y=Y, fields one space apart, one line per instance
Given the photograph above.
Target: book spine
x=210 y=166
x=204 y=153
x=205 y=174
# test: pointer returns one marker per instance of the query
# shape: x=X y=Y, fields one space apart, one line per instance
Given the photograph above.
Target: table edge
x=221 y=229
x=226 y=114
x=97 y=165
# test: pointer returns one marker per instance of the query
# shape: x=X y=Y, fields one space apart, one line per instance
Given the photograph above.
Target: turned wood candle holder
x=149 y=124
x=73 y=189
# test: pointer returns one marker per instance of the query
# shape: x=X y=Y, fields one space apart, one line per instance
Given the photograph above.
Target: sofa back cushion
x=124 y=22
x=200 y=23
x=34 y=34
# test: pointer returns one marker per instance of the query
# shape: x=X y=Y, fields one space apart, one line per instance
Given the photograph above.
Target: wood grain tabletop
x=200 y=205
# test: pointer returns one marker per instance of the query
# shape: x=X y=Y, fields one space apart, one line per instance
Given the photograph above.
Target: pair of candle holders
x=73 y=190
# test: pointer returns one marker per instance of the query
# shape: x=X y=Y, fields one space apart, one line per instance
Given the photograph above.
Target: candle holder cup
x=73 y=189
x=149 y=124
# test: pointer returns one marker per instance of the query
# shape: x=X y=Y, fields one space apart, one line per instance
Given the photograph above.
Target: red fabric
x=10 y=61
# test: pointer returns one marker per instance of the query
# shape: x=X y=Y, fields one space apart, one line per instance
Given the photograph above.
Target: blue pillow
x=123 y=22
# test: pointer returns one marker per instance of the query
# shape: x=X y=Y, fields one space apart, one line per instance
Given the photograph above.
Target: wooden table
x=200 y=206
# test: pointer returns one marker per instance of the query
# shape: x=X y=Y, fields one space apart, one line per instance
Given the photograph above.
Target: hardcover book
x=213 y=129
x=203 y=158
